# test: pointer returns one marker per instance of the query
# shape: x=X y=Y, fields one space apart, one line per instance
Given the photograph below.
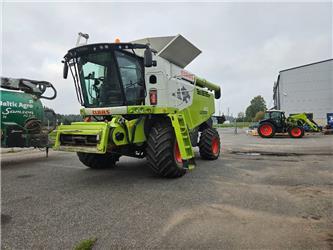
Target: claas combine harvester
x=139 y=101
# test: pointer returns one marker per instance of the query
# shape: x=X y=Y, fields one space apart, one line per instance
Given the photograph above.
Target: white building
x=307 y=88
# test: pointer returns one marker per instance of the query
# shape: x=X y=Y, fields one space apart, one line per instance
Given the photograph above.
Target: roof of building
x=305 y=65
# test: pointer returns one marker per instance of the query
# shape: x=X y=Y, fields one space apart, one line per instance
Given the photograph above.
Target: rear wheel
x=266 y=130
x=296 y=132
x=209 y=144
x=162 y=151
x=98 y=161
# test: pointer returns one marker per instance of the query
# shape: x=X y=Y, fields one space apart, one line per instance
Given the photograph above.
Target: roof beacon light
x=117 y=40
x=82 y=35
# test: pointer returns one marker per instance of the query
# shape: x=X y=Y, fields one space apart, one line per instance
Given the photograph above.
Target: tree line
x=254 y=112
x=52 y=117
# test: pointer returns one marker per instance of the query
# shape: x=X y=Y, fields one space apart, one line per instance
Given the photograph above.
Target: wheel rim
x=266 y=130
x=296 y=132
x=178 y=157
x=215 y=146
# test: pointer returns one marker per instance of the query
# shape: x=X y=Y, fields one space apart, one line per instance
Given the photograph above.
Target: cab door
x=277 y=117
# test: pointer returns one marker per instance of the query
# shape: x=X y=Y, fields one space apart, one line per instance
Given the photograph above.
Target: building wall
x=307 y=89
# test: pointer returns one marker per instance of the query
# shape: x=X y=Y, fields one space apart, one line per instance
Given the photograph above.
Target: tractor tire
x=296 y=132
x=266 y=130
x=162 y=151
x=209 y=144
x=98 y=161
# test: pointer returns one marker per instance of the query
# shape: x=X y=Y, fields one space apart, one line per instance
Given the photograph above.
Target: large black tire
x=160 y=151
x=296 y=132
x=266 y=130
x=209 y=144
x=98 y=161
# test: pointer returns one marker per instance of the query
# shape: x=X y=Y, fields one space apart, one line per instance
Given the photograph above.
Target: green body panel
x=201 y=110
x=102 y=130
x=139 y=135
x=18 y=107
x=150 y=110
x=98 y=129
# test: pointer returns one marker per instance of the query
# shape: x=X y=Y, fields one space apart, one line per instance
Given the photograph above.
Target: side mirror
x=217 y=94
x=65 y=71
x=148 y=57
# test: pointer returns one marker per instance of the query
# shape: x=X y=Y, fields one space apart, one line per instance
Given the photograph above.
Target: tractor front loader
x=139 y=101
x=276 y=122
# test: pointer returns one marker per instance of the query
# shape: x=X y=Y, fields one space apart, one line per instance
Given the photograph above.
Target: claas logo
x=101 y=112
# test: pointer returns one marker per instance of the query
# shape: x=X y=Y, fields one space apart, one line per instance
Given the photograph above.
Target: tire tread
x=98 y=161
x=159 y=151
x=205 y=144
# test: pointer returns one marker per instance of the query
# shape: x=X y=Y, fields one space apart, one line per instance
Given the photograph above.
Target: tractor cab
x=275 y=117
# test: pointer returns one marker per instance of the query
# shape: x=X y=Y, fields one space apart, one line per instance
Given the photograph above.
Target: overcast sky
x=244 y=45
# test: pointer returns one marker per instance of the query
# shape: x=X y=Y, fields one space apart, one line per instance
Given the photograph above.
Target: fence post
x=235 y=126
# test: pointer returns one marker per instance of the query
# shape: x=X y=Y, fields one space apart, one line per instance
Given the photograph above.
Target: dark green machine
x=22 y=112
x=275 y=121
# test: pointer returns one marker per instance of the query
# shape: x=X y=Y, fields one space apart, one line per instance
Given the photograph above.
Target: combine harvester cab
x=139 y=101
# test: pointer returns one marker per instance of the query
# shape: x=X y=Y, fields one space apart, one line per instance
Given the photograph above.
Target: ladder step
x=183 y=137
x=190 y=166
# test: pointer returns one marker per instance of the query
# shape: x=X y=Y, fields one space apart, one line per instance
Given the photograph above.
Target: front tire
x=209 y=144
x=162 y=151
x=98 y=161
x=296 y=132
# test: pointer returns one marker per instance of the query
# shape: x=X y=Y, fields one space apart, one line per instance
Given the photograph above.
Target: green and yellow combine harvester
x=139 y=101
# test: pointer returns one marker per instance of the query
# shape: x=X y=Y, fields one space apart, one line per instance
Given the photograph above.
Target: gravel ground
x=260 y=194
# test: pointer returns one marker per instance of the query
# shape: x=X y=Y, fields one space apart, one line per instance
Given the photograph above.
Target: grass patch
x=85 y=244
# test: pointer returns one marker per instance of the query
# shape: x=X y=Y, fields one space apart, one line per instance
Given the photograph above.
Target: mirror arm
x=65 y=70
